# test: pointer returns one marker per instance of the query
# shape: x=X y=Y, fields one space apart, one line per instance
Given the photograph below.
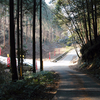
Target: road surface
x=74 y=85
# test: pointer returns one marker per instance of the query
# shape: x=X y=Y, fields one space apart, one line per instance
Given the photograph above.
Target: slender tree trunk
x=30 y=31
x=26 y=28
x=75 y=27
x=41 y=67
x=75 y=46
x=12 y=42
x=95 y=3
x=34 y=17
x=78 y=25
x=18 y=40
x=4 y=30
x=9 y=33
x=93 y=19
x=85 y=24
x=21 y=25
x=89 y=22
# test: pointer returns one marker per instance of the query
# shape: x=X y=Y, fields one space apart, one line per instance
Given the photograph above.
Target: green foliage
x=57 y=38
x=26 y=87
x=4 y=75
x=69 y=43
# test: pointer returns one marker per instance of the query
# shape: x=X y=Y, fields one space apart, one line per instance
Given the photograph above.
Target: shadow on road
x=77 y=86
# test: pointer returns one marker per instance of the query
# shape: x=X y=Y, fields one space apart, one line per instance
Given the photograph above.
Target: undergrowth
x=28 y=88
x=90 y=62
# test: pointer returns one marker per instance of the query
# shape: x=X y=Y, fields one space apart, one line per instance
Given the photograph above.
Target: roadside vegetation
x=35 y=86
x=90 y=61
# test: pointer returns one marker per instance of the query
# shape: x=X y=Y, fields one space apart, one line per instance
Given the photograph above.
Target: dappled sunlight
x=77 y=86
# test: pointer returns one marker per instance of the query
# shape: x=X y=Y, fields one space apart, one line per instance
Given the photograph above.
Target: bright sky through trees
x=47 y=2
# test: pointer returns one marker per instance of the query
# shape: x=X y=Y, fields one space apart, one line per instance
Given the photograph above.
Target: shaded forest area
x=51 y=32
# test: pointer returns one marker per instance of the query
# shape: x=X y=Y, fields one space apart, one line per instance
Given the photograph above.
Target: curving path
x=74 y=85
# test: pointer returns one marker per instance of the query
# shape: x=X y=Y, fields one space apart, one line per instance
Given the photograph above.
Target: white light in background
x=47 y=2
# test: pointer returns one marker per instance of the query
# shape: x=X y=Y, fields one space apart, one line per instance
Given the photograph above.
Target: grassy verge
x=40 y=86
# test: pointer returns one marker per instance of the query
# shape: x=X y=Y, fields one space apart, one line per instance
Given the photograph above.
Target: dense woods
x=25 y=23
x=27 y=20
x=81 y=18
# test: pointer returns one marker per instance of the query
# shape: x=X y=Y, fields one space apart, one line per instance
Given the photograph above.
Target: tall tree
x=12 y=42
x=18 y=38
x=21 y=25
x=26 y=28
x=95 y=6
x=4 y=21
x=34 y=17
x=84 y=22
x=89 y=21
x=41 y=67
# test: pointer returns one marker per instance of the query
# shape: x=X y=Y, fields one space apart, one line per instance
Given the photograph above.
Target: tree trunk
x=41 y=65
x=81 y=36
x=89 y=22
x=95 y=3
x=21 y=25
x=26 y=28
x=34 y=17
x=12 y=42
x=85 y=24
x=18 y=39
x=30 y=31
x=4 y=30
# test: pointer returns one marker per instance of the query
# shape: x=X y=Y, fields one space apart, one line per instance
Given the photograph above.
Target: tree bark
x=34 y=17
x=4 y=30
x=18 y=38
x=95 y=5
x=12 y=42
x=41 y=65
x=93 y=19
x=89 y=22
x=21 y=25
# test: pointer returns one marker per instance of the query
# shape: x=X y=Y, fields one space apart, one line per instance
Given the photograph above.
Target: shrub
x=89 y=52
x=4 y=75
